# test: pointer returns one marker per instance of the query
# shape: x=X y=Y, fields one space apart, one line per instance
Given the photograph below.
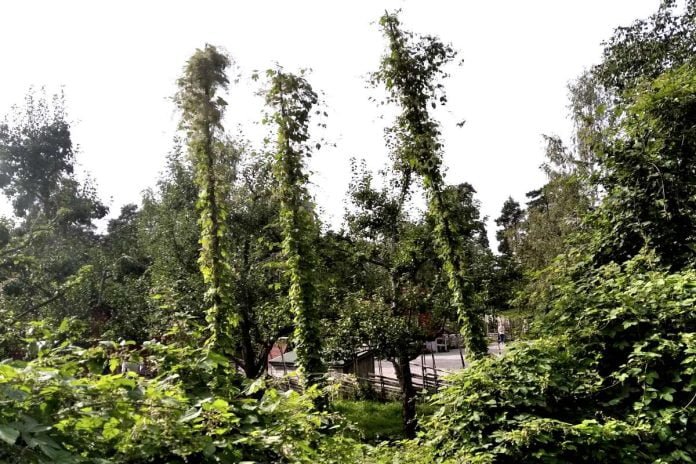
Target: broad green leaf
x=8 y=434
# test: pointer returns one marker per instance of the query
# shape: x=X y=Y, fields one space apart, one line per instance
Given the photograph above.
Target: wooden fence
x=381 y=386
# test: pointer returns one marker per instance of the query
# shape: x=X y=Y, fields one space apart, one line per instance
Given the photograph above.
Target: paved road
x=450 y=361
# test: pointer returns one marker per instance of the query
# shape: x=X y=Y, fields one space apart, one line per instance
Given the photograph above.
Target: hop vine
x=411 y=72
x=291 y=99
x=202 y=111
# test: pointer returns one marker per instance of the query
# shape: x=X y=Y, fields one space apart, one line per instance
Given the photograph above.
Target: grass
x=375 y=421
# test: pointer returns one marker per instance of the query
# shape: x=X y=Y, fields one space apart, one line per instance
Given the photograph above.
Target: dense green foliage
x=612 y=380
x=609 y=376
x=292 y=99
x=78 y=405
x=202 y=111
x=227 y=255
x=650 y=163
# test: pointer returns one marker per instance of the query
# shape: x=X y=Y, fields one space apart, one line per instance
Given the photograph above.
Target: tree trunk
x=408 y=395
x=248 y=354
x=246 y=307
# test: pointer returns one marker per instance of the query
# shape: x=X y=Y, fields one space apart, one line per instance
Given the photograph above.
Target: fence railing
x=380 y=385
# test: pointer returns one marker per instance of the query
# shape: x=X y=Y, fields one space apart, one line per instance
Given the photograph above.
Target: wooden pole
x=434 y=369
x=282 y=358
x=381 y=376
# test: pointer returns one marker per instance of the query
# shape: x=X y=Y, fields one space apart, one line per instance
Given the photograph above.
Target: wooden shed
x=362 y=366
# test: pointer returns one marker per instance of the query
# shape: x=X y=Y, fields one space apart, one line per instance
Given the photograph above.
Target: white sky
x=118 y=62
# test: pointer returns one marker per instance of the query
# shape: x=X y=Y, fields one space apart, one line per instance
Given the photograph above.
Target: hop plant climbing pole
x=411 y=72
x=291 y=100
x=202 y=110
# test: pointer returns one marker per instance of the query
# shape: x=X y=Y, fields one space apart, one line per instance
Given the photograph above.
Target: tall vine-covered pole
x=411 y=72
x=291 y=98
x=202 y=109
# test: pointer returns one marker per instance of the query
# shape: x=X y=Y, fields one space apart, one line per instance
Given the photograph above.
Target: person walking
x=501 y=331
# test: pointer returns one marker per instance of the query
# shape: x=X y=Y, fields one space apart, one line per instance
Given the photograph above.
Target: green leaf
x=114 y=364
x=191 y=414
x=217 y=358
x=209 y=450
x=219 y=405
x=8 y=434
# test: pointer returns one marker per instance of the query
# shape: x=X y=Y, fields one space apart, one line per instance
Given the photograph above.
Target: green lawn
x=375 y=421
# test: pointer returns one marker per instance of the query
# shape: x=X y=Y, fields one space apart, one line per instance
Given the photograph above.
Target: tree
x=634 y=54
x=648 y=47
x=36 y=154
x=397 y=294
x=507 y=275
x=610 y=378
x=510 y=223
x=261 y=292
x=37 y=166
x=169 y=234
x=291 y=98
x=119 y=282
x=638 y=122
x=555 y=211
x=382 y=236
x=410 y=71
x=649 y=165
x=49 y=249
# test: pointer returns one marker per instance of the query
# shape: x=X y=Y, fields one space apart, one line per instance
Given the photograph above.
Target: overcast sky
x=118 y=62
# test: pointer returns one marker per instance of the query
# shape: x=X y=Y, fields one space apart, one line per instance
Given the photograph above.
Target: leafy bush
x=74 y=405
x=613 y=380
